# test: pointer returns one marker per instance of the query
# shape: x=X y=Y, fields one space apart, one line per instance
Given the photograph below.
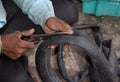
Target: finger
x=65 y=27
x=28 y=32
x=52 y=23
x=48 y=30
x=20 y=51
x=26 y=44
x=68 y=29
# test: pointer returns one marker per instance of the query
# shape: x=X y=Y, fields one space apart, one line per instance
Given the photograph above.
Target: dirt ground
x=111 y=30
x=110 y=26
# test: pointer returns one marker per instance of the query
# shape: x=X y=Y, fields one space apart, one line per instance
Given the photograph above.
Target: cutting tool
x=40 y=37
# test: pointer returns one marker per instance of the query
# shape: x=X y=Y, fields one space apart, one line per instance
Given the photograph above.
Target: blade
x=40 y=37
x=50 y=35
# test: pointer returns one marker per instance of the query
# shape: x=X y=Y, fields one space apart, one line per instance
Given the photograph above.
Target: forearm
x=37 y=10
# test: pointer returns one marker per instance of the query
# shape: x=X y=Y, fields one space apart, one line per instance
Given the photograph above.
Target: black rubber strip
x=103 y=69
x=96 y=30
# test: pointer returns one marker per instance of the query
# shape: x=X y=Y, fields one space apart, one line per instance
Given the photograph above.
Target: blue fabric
x=37 y=10
x=2 y=15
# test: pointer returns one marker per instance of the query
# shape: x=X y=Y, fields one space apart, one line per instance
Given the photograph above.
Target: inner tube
x=104 y=70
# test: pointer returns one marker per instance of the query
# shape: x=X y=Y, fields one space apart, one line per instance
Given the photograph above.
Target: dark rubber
x=104 y=69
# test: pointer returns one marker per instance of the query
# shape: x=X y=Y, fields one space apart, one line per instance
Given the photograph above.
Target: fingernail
x=70 y=31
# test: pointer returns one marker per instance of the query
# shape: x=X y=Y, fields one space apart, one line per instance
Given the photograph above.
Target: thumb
x=28 y=32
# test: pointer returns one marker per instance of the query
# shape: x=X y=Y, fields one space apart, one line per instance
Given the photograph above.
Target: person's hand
x=13 y=46
x=54 y=24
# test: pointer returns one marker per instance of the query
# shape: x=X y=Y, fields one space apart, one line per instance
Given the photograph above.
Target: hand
x=13 y=46
x=54 y=24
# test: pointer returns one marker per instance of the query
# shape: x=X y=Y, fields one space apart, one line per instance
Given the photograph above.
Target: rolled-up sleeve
x=37 y=10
